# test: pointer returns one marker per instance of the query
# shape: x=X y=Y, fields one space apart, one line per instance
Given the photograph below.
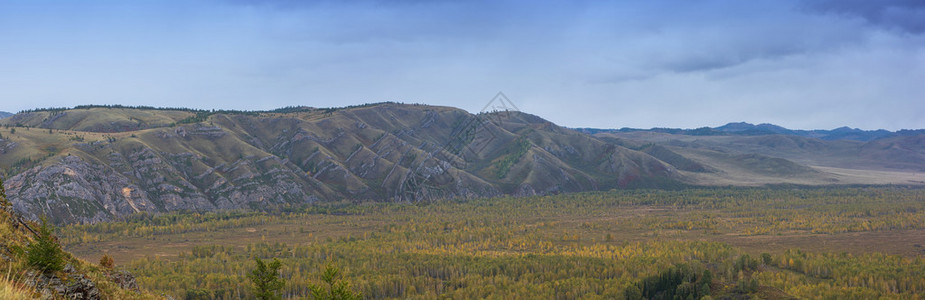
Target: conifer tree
x=338 y=289
x=44 y=253
x=265 y=278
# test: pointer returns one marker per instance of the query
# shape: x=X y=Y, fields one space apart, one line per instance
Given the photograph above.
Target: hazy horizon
x=574 y=127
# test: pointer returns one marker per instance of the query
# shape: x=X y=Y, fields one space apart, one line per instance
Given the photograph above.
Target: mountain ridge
x=122 y=161
x=98 y=163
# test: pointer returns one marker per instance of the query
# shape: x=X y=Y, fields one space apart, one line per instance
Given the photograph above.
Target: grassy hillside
x=22 y=279
x=98 y=119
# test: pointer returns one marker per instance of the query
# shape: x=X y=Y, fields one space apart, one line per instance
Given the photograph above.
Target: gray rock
x=76 y=286
x=124 y=279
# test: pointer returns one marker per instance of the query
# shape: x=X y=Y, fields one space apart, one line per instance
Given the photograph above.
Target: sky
x=801 y=64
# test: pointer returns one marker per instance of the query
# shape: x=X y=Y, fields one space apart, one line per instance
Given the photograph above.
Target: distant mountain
x=748 y=129
x=4 y=114
x=900 y=158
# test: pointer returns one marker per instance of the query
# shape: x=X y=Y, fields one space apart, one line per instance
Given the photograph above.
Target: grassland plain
x=770 y=242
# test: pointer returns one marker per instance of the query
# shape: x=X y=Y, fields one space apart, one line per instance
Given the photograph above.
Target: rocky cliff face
x=385 y=152
x=74 y=190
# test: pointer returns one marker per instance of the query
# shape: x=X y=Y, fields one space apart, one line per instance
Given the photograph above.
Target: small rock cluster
x=125 y=280
x=72 y=285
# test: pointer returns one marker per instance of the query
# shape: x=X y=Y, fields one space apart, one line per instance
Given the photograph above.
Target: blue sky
x=803 y=64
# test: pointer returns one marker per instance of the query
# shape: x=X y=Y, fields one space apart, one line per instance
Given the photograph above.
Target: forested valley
x=697 y=243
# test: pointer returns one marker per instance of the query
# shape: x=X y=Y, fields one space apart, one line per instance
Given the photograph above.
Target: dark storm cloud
x=904 y=15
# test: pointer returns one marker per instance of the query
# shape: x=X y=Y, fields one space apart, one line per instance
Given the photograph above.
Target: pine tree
x=338 y=289
x=44 y=253
x=266 y=279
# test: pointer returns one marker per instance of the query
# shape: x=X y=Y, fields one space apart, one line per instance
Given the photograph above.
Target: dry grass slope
x=14 y=283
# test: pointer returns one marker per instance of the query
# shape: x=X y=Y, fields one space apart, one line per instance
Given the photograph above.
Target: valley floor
x=803 y=242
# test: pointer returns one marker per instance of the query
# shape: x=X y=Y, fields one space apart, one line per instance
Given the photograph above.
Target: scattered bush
x=107 y=262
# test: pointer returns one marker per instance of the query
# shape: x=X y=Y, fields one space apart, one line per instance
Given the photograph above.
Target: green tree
x=266 y=279
x=337 y=289
x=632 y=293
x=766 y=258
x=198 y=294
x=706 y=280
x=3 y=202
x=44 y=253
